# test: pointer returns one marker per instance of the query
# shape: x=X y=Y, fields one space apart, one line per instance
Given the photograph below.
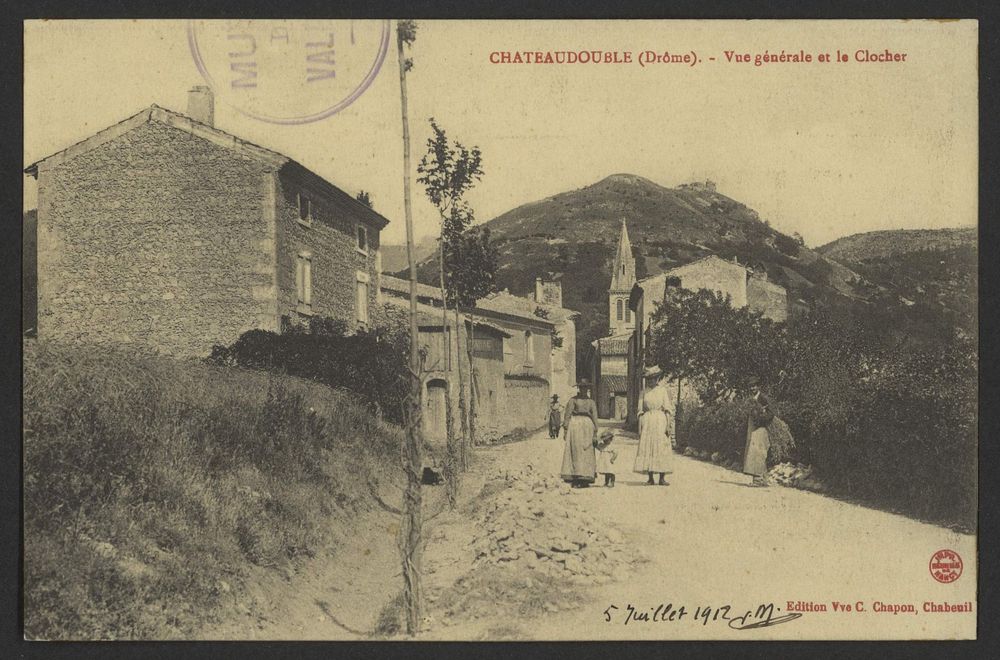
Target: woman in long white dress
x=654 y=452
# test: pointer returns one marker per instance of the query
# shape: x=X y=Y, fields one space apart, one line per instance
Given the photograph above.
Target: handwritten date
x=760 y=617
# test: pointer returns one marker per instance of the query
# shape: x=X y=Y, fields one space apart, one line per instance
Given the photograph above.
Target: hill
x=933 y=268
x=574 y=235
x=883 y=244
x=394 y=256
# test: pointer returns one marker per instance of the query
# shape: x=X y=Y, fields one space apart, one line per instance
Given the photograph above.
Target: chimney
x=201 y=104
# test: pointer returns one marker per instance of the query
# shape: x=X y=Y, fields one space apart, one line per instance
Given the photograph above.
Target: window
x=303 y=279
x=529 y=349
x=362 y=297
x=619 y=309
x=305 y=209
x=362 y=239
x=507 y=348
x=628 y=314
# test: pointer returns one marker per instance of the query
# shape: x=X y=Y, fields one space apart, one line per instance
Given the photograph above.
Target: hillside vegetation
x=574 y=235
x=871 y=245
x=935 y=269
x=154 y=489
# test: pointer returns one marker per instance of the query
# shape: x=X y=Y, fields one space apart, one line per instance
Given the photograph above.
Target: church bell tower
x=622 y=281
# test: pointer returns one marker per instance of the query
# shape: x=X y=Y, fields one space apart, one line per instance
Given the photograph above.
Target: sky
x=822 y=149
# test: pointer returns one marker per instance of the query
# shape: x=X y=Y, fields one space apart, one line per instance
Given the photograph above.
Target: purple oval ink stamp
x=289 y=71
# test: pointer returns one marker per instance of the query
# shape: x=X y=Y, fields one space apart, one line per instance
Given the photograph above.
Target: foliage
x=448 y=171
x=406 y=34
x=725 y=352
x=151 y=486
x=882 y=416
x=787 y=244
x=371 y=363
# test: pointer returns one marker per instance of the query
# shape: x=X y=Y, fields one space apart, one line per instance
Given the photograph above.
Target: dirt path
x=710 y=540
x=714 y=541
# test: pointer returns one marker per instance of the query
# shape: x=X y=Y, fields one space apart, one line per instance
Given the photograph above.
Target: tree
x=410 y=527
x=725 y=352
x=472 y=266
x=447 y=171
x=365 y=198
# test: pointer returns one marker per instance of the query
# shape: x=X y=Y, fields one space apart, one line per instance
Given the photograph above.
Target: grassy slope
x=154 y=488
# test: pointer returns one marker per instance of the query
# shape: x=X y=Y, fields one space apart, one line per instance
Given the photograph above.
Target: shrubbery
x=883 y=416
x=373 y=364
x=192 y=471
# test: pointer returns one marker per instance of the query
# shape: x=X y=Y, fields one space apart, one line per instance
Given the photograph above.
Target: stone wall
x=331 y=239
x=564 y=361
x=715 y=275
x=768 y=298
x=527 y=402
x=155 y=239
x=548 y=292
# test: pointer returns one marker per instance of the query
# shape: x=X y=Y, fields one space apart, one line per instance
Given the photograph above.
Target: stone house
x=547 y=305
x=166 y=233
x=744 y=287
x=511 y=350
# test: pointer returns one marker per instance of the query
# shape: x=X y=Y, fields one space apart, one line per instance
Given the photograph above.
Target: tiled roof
x=508 y=303
x=429 y=316
x=400 y=286
x=614 y=345
x=614 y=383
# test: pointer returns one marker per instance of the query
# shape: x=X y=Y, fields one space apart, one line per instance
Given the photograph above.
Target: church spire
x=623 y=276
x=622 y=281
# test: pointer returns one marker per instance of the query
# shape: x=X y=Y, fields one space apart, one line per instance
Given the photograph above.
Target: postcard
x=500 y=330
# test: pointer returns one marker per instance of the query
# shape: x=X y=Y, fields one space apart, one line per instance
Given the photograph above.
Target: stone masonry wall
x=564 y=362
x=332 y=240
x=715 y=275
x=156 y=239
x=768 y=298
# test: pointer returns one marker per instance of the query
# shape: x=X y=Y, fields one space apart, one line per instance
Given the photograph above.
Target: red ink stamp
x=946 y=566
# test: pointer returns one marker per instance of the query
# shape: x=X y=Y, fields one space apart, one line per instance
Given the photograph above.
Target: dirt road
x=710 y=541
x=713 y=541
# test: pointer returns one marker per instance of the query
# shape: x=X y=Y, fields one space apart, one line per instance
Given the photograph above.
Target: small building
x=166 y=233
x=547 y=305
x=511 y=351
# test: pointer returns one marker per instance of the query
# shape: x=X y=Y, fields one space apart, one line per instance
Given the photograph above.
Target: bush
x=720 y=427
x=786 y=244
x=146 y=480
x=884 y=415
x=373 y=364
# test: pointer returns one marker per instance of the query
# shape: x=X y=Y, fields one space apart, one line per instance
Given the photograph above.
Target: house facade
x=511 y=351
x=164 y=233
x=546 y=305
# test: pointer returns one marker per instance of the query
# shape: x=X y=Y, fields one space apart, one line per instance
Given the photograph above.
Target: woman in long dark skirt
x=579 y=465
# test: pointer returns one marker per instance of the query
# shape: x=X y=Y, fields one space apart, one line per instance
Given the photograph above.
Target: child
x=606 y=457
x=555 y=418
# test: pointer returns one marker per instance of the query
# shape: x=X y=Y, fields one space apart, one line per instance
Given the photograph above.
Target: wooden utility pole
x=410 y=541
